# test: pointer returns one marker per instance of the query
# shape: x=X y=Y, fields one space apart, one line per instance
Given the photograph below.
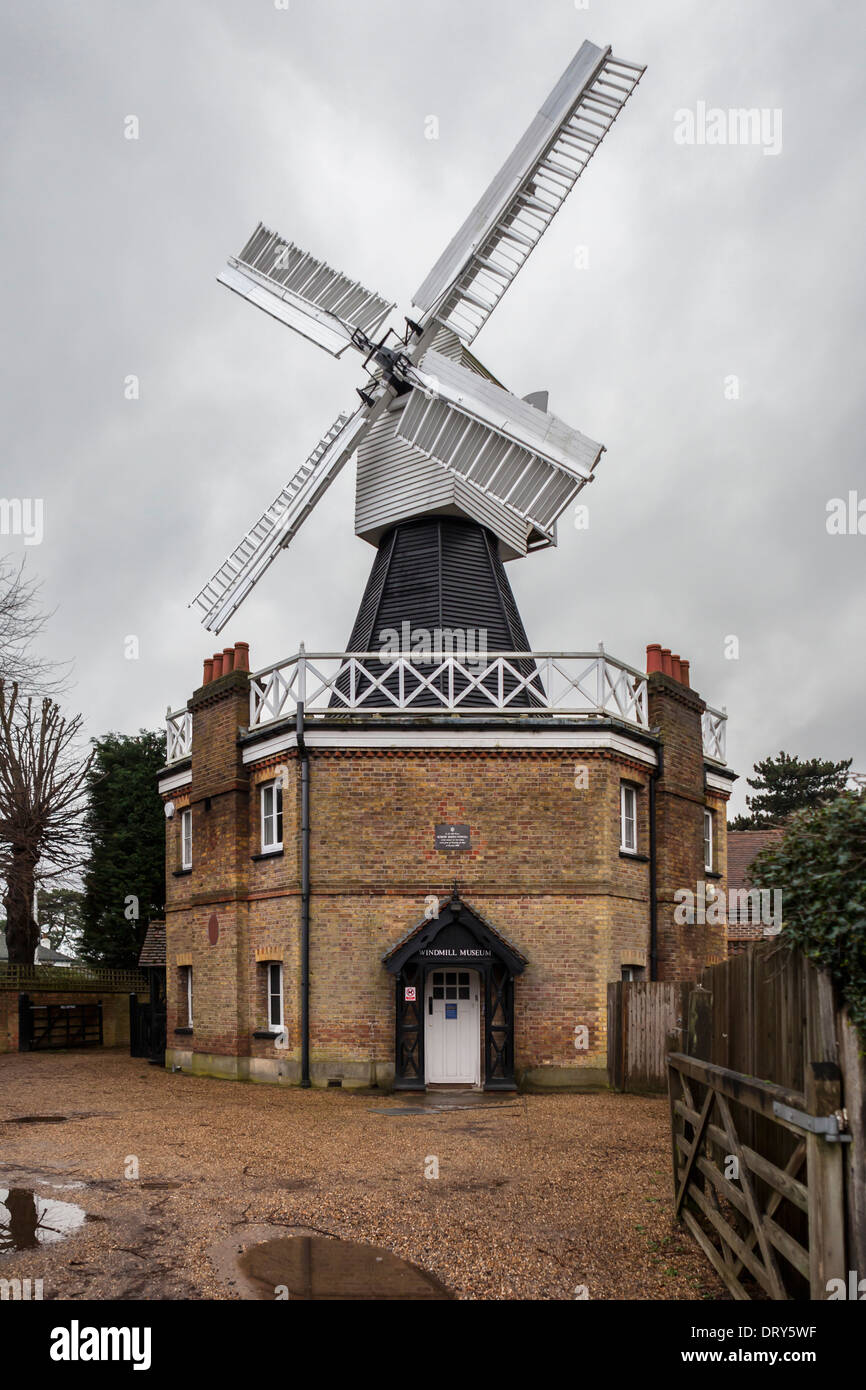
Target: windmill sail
x=224 y=593
x=480 y=262
x=306 y=294
x=524 y=457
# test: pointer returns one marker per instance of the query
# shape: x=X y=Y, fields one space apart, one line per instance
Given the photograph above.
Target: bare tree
x=43 y=775
x=21 y=621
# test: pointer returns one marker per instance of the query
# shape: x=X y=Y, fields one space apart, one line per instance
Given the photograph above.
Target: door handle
x=430 y=1006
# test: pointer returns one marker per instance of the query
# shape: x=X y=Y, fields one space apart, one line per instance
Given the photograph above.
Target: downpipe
x=658 y=771
x=304 y=757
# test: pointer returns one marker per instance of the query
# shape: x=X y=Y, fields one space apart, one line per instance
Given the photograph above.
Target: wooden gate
x=641 y=1016
x=760 y=1165
x=51 y=1026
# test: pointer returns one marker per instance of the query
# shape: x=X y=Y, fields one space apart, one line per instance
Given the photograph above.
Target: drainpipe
x=657 y=772
x=305 y=896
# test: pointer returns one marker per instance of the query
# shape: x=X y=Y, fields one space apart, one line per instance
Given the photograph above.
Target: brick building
x=744 y=917
x=364 y=890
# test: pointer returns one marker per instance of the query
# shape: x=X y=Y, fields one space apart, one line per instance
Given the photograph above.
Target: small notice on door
x=450 y=1010
x=409 y=994
x=452 y=837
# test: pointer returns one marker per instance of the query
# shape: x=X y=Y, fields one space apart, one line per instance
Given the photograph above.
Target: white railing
x=178 y=729
x=714 y=728
x=580 y=684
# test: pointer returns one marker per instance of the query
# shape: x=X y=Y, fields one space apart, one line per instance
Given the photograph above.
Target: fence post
x=23 y=1023
x=614 y=1035
x=826 y=1186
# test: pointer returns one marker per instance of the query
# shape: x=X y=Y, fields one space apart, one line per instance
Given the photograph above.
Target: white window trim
x=709 y=858
x=274 y=785
x=276 y=1027
x=186 y=855
x=188 y=969
x=626 y=790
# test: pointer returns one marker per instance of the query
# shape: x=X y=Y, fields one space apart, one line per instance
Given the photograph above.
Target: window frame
x=270 y=966
x=188 y=993
x=709 y=841
x=275 y=787
x=626 y=790
x=186 y=840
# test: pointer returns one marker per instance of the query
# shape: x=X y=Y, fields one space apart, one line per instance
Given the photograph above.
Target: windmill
x=455 y=473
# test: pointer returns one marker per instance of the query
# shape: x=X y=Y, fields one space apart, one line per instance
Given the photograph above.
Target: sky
x=697 y=307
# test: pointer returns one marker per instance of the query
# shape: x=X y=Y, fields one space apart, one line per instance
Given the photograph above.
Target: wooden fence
x=767 y=1091
x=641 y=1016
x=768 y=1163
x=102 y=979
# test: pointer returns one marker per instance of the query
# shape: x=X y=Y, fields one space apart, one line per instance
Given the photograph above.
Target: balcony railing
x=714 y=729
x=178 y=730
x=580 y=684
x=574 y=685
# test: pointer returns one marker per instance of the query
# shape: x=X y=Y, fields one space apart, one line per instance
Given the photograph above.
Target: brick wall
x=545 y=868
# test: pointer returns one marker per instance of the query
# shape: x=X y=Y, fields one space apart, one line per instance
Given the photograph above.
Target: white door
x=453 y=1032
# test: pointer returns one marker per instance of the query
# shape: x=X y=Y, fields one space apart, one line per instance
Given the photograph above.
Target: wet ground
x=184 y=1187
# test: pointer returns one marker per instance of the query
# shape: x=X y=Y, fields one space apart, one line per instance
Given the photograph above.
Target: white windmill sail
x=482 y=259
x=306 y=294
x=227 y=589
x=524 y=457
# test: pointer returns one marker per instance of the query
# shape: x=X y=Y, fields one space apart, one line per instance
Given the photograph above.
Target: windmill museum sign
x=426 y=866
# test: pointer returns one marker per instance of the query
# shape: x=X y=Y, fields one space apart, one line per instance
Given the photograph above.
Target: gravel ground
x=536 y=1195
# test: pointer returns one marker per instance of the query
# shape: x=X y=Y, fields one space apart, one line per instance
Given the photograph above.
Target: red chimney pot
x=675 y=667
x=666 y=661
x=228 y=659
x=207 y=675
x=242 y=656
x=684 y=668
x=653 y=657
x=217 y=665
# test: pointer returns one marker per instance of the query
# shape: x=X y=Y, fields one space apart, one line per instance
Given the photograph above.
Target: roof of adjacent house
x=153 y=947
x=45 y=955
x=743 y=848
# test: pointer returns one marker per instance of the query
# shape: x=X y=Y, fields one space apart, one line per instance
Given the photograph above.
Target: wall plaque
x=452 y=837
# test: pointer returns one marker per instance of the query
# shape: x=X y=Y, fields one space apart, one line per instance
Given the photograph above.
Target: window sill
x=268 y=1032
x=182 y=1031
x=633 y=854
x=182 y=873
x=711 y=873
x=268 y=854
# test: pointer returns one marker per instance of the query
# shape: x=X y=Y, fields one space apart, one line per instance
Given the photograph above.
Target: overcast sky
x=705 y=262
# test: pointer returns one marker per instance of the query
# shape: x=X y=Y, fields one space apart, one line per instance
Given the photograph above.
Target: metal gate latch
x=832 y=1127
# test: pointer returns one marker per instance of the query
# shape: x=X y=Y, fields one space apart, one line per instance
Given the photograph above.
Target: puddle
x=318 y=1268
x=28 y=1221
x=58 y=1119
x=37 y=1120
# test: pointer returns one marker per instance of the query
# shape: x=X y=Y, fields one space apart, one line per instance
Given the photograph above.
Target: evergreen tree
x=59 y=917
x=124 y=881
x=820 y=868
x=784 y=785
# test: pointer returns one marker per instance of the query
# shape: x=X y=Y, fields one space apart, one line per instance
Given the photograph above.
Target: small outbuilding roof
x=153 y=947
